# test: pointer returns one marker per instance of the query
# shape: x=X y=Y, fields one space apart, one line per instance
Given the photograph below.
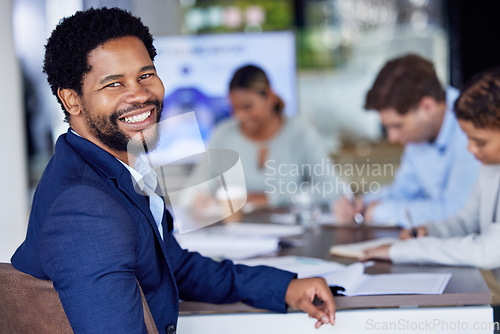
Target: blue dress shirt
x=433 y=181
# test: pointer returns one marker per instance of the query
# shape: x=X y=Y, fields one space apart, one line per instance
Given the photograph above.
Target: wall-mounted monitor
x=196 y=71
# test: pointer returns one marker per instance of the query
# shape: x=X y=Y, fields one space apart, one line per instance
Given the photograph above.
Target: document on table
x=303 y=266
x=355 y=250
x=237 y=241
x=325 y=218
x=227 y=246
x=353 y=279
x=260 y=230
x=356 y=282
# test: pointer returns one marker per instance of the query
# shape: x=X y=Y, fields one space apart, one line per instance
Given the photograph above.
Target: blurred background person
x=282 y=157
x=436 y=173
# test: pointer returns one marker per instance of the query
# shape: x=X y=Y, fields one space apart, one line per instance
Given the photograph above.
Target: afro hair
x=68 y=47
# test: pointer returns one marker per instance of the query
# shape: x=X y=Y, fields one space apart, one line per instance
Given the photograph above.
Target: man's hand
x=301 y=293
x=376 y=253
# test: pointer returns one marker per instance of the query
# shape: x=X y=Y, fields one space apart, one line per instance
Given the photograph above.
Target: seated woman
x=281 y=156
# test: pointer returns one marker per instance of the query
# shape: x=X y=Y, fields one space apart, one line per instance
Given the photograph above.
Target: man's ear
x=428 y=105
x=70 y=100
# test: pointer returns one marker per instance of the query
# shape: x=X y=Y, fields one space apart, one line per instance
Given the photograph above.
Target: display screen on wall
x=196 y=71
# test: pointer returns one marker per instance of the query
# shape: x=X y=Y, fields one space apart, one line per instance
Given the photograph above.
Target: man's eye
x=114 y=84
x=147 y=75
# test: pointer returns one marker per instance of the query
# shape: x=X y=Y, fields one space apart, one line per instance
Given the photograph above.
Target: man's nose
x=137 y=93
x=471 y=147
x=394 y=136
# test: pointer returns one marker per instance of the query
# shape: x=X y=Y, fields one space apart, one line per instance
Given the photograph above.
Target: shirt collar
x=138 y=174
x=449 y=122
x=76 y=133
x=135 y=174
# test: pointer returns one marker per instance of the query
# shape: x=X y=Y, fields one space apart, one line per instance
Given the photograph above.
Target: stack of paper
x=227 y=246
x=260 y=230
x=325 y=218
x=237 y=241
x=303 y=266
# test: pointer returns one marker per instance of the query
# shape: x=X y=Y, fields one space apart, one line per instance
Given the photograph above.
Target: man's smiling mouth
x=137 y=118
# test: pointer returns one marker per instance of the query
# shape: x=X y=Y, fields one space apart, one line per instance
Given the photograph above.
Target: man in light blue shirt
x=436 y=173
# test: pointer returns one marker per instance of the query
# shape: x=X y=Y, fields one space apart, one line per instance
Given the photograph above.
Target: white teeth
x=137 y=118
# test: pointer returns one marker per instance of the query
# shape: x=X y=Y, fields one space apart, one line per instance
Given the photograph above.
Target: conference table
x=463 y=307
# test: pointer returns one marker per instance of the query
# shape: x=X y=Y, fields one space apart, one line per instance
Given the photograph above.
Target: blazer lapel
x=113 y=169
x=126 y=186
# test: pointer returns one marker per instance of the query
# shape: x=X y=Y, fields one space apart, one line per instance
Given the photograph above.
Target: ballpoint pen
x=358 y=217
x=413 y=230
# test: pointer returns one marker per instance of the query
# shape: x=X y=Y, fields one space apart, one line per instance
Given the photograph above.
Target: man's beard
x=106 y=129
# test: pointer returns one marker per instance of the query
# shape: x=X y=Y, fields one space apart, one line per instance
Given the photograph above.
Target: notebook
x=355 y=250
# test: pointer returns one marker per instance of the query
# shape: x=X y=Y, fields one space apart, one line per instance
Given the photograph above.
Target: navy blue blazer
x=93 y=235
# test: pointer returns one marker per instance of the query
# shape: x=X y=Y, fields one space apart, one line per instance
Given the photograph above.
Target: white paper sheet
x=353 y=279
x=303 y=266
x=325 y=218
x=260 y=230
x=357 y=283
x=227 y=246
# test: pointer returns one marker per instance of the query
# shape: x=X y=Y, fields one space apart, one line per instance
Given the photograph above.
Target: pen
x=358 y=217
x=413 y=230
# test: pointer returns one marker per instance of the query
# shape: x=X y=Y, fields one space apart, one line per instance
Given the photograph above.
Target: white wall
x=162 y=17
x=13 y=165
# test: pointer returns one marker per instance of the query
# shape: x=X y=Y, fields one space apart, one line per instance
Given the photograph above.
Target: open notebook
x=355 y=250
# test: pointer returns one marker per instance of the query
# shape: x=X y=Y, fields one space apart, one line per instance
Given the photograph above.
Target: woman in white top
x=281 y=156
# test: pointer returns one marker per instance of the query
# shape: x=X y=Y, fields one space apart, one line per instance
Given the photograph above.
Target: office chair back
x=30 y=305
